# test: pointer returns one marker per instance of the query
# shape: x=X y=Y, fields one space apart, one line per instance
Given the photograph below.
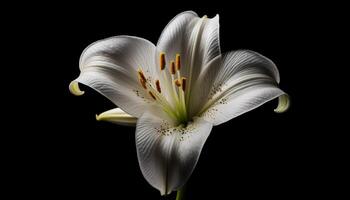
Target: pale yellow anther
x=158 y=86
x=178 y=62
x=183 y=83
x=162 y=61
x=74 y=88
x=177 y=82
x=172 y=67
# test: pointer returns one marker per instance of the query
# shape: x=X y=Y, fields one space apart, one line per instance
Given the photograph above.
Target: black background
x=257 y=155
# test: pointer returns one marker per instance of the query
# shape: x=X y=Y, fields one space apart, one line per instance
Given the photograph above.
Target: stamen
x=143 y=83
x=177 y=82
x=158 y=86
x=155 y=91
x=183 y=83
x=162 y=61
x=178 y=66
x=175 y=104
x=141 y=75
x=142 y=78
x=152 y=95
x=178 y=62
x=172 y=67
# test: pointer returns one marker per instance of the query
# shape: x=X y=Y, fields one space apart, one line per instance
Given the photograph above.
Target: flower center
x=170 y=94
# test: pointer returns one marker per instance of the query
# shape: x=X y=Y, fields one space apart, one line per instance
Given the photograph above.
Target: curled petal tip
x=283 y=103
x=74 y=88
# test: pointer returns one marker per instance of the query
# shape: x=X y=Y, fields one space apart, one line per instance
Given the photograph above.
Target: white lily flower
x=177 y=91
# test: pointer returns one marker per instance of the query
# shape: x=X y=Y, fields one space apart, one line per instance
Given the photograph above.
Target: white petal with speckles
x=168 y=154
x=245 y=80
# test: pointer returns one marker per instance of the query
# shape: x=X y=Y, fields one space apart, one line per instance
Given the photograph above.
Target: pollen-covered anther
x=183 y=80
x=152 y=95
x=172 y=68
x=141 y=75
x=177 y=82
x=142 y=78
x=162 y=61
x=178 y=62
x=143 y=83
x=158 y=86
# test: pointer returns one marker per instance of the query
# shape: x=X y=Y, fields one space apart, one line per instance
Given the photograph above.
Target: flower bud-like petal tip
x=283 y=103
x=74 y=88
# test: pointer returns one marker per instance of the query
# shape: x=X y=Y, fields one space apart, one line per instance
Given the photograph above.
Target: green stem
x=180 y=193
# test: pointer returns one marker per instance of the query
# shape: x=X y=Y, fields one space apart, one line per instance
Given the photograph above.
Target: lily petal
x=174 y=36
x=202 y=48
x=202 y=85
x=167 y=154
x=245 y=81
x=117 y=116
x=110 y=67
x=195 y=39
x=245 y=61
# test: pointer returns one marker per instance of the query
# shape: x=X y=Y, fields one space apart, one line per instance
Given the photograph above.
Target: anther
x=158 y=86
x=183 y=83
x=172 y=67
x=143 y=83
x=162 y=61
x=141 y=75
x=177 y=82
x=152 y=95
x=178 y=62
x=142 y=78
